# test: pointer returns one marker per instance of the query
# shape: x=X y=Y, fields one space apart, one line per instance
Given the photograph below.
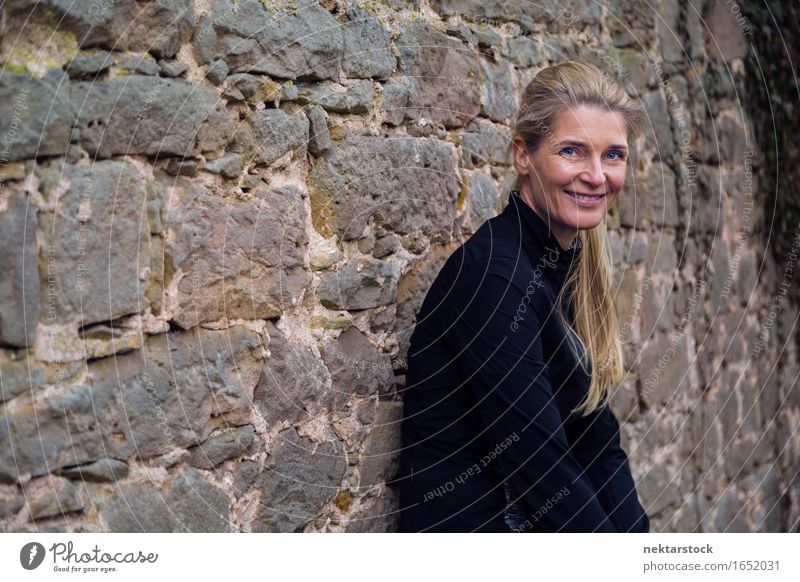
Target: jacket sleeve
x=598 y=450
x=495 y=335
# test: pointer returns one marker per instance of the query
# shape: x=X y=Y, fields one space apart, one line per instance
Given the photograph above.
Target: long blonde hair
x=589 y=283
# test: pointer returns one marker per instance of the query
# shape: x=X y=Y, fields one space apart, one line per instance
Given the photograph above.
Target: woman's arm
x=598 y=450
x=495 y=335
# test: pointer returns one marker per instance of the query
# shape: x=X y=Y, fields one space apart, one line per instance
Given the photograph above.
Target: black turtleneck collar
x=535 y=231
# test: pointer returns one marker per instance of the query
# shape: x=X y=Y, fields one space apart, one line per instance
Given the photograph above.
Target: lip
x=587 y=203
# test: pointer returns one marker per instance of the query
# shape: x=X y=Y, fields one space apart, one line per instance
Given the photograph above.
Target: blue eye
x=619 y=153
x=562 y=150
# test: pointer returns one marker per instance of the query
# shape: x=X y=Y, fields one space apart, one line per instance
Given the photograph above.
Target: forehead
x=590 y=124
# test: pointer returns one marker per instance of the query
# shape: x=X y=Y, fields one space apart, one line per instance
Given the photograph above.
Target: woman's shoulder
x=493 y=246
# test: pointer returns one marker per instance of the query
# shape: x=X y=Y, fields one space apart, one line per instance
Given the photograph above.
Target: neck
x=565 y=237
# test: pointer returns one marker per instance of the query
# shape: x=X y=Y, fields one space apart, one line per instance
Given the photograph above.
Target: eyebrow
x=575 y=142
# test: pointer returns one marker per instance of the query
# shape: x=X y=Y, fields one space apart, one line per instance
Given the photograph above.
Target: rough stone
x=103 y=470
x=382 y=446
x=254 y=89
x=51 y=496
x=385 y=246
x=627 y=301
x=253 y=38
x=661 y=254
x=95 y=246
x=356 y=98
x=522 y=51
x=221 y=447
x=658 y=128
x=229 y=166
x=727 y=39
x=301 y=477
x=359 y=285
x=89 y=64
x=142 y=64
x=404 y=184
x=10 y=500
x=173 y=68
x=217 y=71
x=630 y=206
x=636 y=246
x=175 y=394
x=487 y=37
x=19 y=285
x=158 y=27
x=325 y=259
x=356 y=367
x=411 y=291
x=294 y=385
x=233 y=258
x=396 y=93
x=633 y=22
x=26 y=374
x=746 y=280
x=634 y=70
x=658 y=489
x=742 y=454
x=377 y=515
x=181 y=167
x=658 y=313
x=616 y=245
x=663 y=370
x=186 y=503
x=767 y=514
x=498 y=95
x=169 y=117
x=140 y=508
x=671 y=41
x=705 y=201
x=446 y=78
x=460 y=30
x=483 y=197
x=320 y=137
x=367 y=46
x=661 y=201
x=244 y=475
x=686 y=518
x=560 y=49
x=730 y=516
x=625 y=402
x=720 y=277
x=484 y=142
x=722 y=141
x=270 y=134
x=526 y=14
x=35 y=115
x=727 y=401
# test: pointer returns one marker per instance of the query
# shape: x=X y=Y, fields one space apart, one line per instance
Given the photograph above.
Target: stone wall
x=218 y=220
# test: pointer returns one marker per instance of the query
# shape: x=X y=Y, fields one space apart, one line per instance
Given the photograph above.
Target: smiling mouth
x=585 y=197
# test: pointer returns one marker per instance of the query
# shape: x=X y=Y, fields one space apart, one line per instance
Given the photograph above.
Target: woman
x=515 y=352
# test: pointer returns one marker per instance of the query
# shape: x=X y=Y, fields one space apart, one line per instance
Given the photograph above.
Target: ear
x=520 y=155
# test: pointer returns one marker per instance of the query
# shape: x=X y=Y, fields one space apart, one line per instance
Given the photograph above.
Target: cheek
x=617 y=178
x=562 y=174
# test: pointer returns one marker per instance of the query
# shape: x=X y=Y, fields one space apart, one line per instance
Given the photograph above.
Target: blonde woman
x=515 y=352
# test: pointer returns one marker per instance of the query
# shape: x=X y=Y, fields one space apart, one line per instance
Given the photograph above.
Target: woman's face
x=585 y=153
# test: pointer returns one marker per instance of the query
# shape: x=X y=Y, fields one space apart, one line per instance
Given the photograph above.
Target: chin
x=586 y=224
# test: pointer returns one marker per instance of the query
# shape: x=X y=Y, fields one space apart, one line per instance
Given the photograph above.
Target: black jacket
x=489 y=443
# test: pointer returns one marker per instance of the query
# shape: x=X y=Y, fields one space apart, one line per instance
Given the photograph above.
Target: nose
x=593 y=173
